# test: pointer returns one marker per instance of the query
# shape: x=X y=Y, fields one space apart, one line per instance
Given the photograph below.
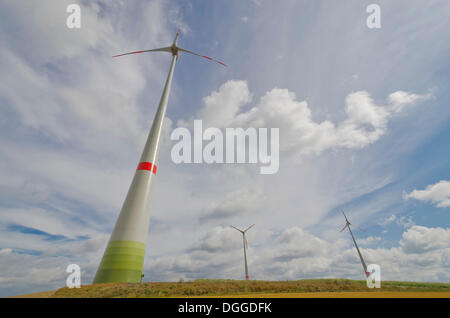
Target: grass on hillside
x=209 y=287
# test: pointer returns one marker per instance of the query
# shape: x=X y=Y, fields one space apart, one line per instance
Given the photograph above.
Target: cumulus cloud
x=420 y=239
x=370 y=240
x=290 y=248
x=217 y=239
x=365 y=123
x=422 y=255
x=438 y=194
x=222 y=106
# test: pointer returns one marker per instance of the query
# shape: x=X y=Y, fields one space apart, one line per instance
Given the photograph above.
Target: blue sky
x=364 y=126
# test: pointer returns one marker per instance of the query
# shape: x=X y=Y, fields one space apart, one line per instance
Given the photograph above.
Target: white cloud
x=366 y=121
x=400 y=99
x=405 y=222
x=388 y=220
x=402 y=221
x=218 y=238
x=221 y=107
x=289 y=239
x=420 y=239
x=438 y=194
x=369 y=240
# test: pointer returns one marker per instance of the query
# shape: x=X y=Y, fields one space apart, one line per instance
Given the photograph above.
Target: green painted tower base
x=123 y=261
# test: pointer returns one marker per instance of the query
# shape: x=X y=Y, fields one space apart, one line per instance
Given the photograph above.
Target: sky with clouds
x=364 y=126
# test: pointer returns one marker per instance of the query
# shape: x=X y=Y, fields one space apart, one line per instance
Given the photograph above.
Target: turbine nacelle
x=174 y=49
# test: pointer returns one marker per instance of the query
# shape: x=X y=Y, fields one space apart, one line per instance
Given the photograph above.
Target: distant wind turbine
x=244 y=240
x=123 y=259
x=347 y=225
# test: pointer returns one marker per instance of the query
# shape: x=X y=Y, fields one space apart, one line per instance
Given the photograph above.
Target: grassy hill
x=208 y=287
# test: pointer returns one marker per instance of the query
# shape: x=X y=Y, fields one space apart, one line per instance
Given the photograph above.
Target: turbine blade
x=343 y=228
x=175 y=41
x=162 y=49
x=237 y=229
x=204 y=56
x=345 y=216
x=249 y=228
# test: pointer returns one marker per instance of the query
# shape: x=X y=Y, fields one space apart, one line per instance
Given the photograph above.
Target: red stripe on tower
x=146 y=166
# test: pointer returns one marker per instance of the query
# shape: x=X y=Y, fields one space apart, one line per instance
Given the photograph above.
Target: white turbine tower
x=347 y=225
x=123 y=259
x=244 y=241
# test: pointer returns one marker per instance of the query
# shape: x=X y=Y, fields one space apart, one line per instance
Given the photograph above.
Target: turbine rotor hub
x=174 y=49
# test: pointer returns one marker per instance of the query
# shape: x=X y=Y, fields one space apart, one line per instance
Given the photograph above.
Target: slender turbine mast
x=244 y=241
x=347 y=225
x=123 y=259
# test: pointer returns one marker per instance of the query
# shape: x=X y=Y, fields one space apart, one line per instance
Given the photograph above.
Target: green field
x=254 y=288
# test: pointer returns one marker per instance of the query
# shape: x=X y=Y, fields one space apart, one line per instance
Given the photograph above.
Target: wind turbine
x=244 y=240
x=123 y=259
x=347 y=225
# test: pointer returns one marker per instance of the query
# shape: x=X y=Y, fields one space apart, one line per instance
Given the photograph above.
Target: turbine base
x=123 y=261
